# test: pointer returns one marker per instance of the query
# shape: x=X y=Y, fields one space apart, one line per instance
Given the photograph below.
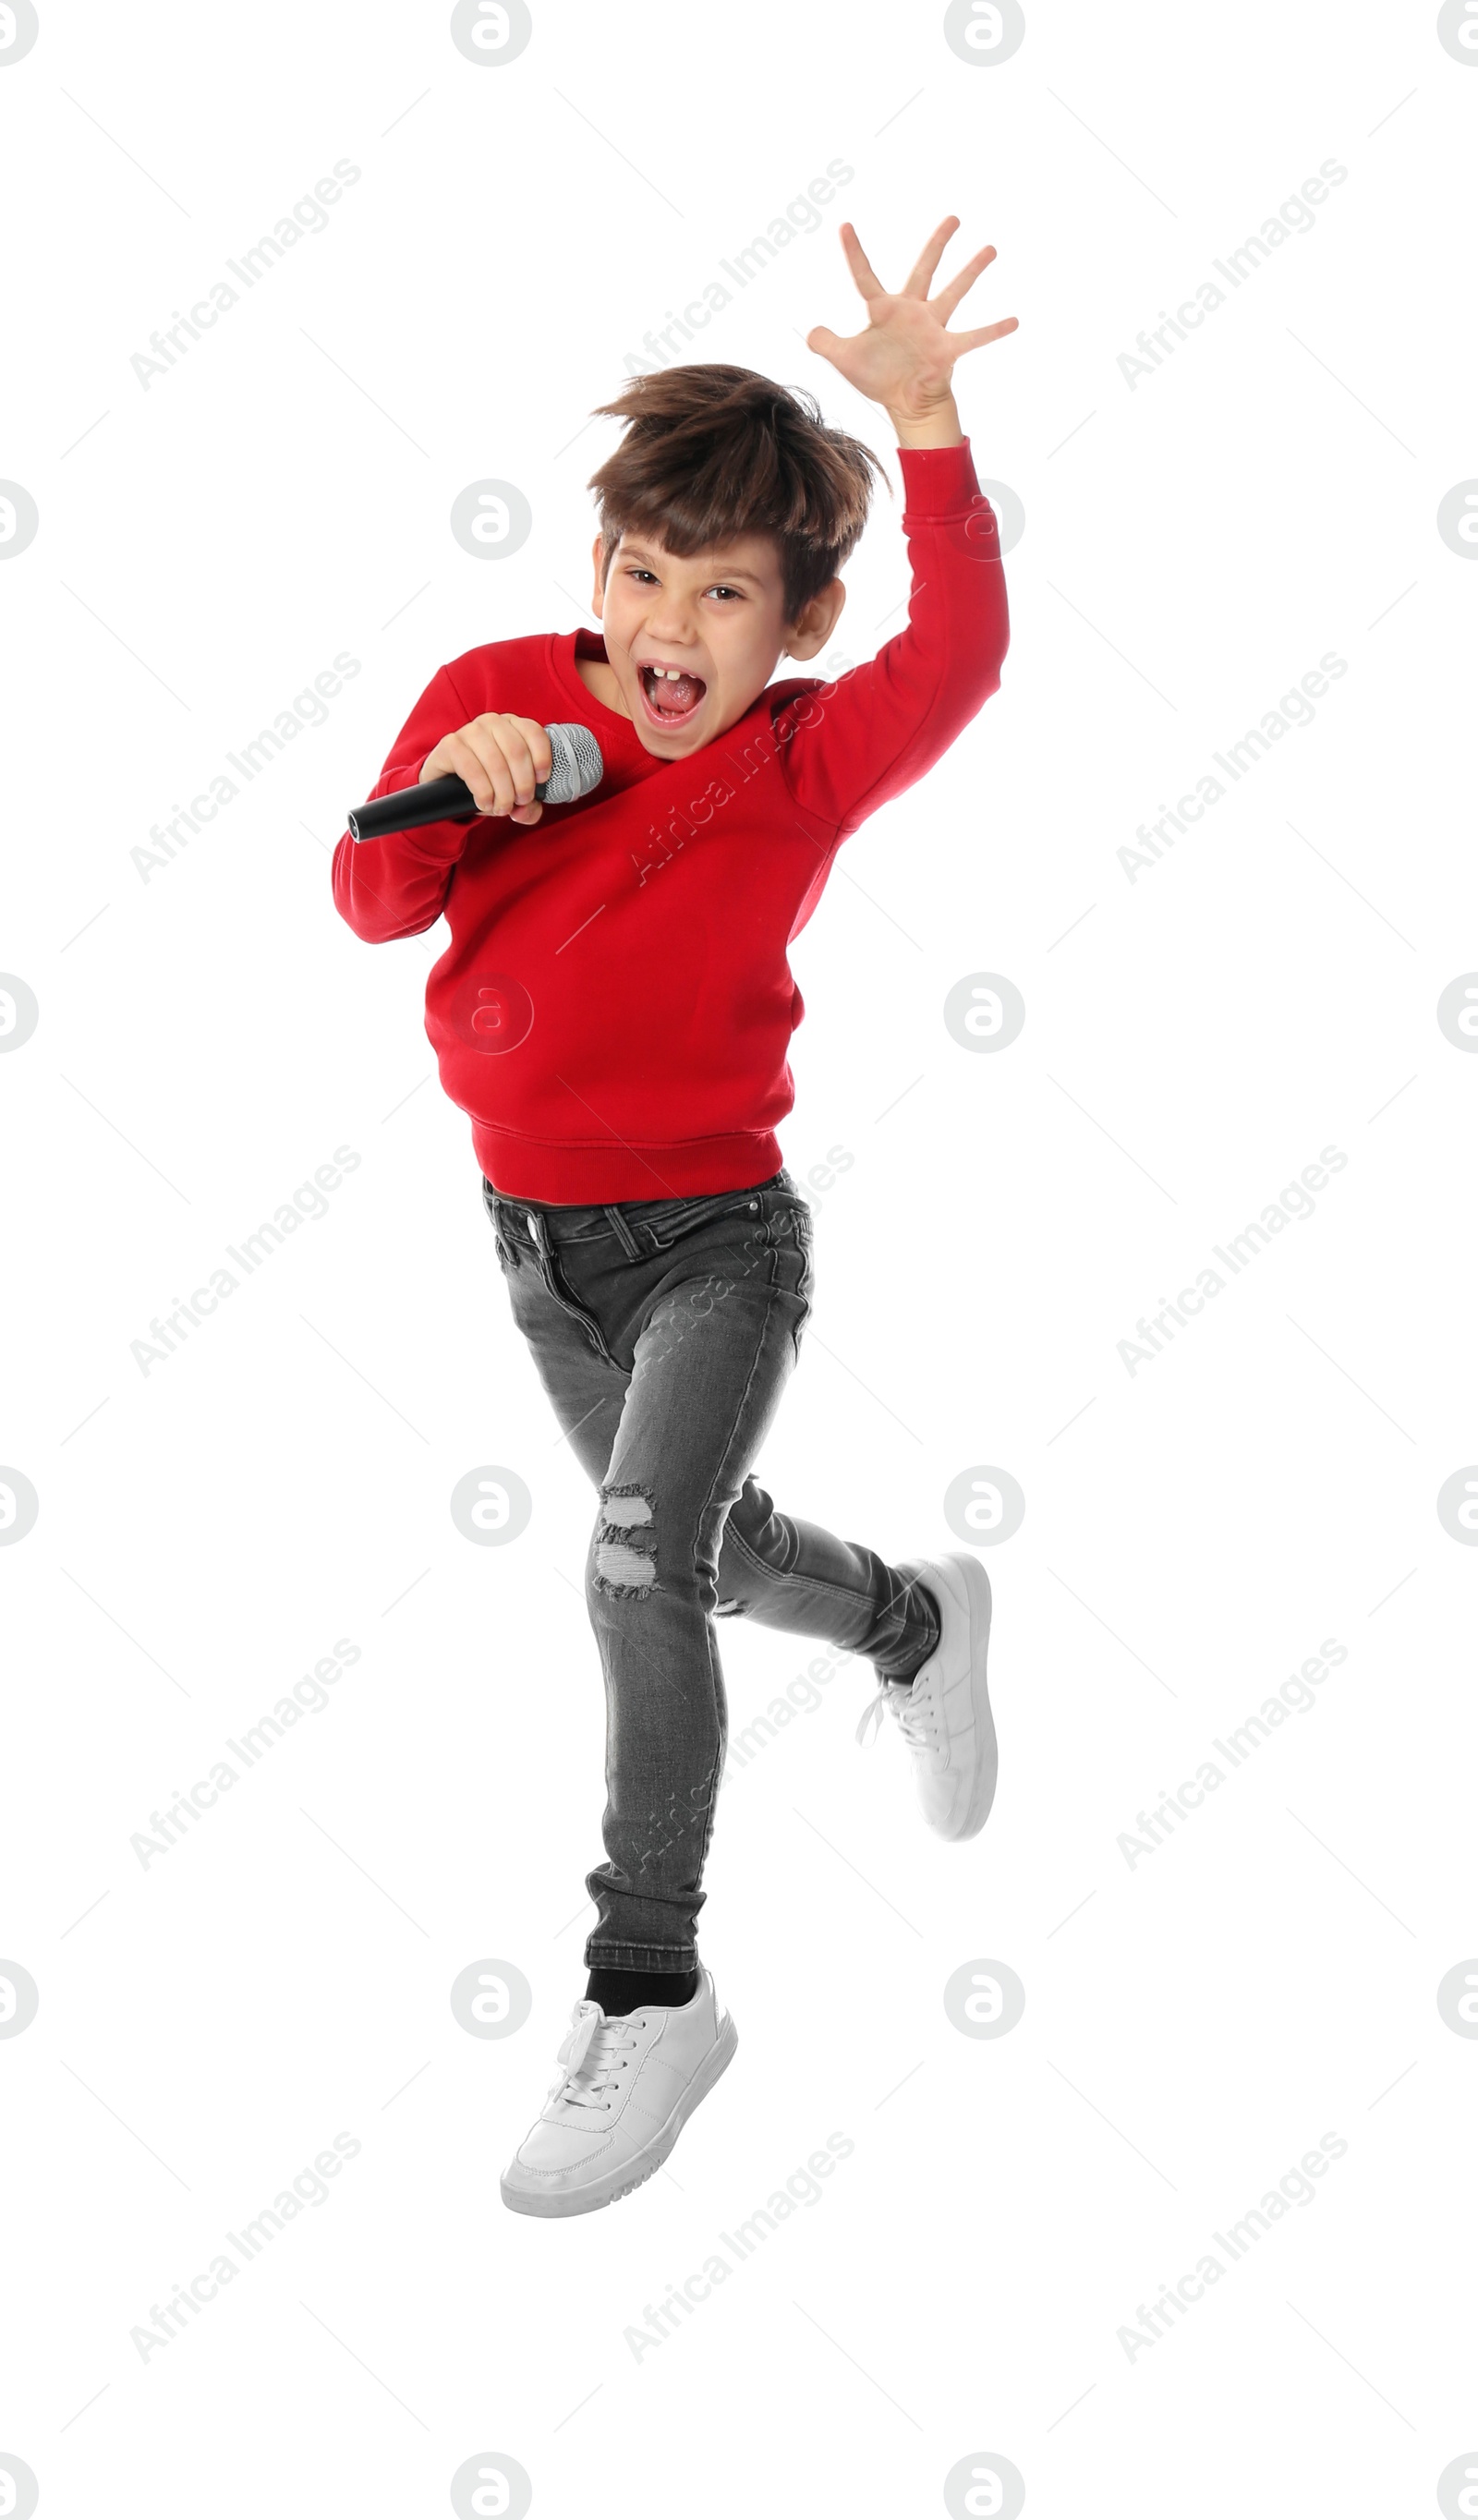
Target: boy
x=613 y=1012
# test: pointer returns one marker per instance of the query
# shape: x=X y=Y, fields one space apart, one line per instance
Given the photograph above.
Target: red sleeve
x=884 y=724
x=397 y=886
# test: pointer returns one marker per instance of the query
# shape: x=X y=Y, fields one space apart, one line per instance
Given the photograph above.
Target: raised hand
x=905 y=357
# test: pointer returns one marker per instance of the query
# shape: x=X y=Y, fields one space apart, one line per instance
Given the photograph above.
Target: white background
x=208 y=1037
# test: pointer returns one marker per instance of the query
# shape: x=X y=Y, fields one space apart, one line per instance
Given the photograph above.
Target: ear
x=598 y=599
x=809 y=634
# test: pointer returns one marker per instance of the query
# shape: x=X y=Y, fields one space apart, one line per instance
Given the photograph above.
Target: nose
x=670 y=623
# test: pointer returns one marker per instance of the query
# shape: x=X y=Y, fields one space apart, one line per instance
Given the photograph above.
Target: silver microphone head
x=575 y=766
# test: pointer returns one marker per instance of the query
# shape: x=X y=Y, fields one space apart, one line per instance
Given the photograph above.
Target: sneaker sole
x=643 y=2165
x=977 y=1585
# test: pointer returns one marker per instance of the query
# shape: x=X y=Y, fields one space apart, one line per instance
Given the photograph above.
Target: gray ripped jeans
x=664 y=1331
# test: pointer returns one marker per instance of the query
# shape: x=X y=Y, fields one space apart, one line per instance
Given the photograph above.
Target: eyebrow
x=641 y=552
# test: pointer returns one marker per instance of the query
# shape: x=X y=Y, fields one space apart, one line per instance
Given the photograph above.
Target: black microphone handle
x=435 y=800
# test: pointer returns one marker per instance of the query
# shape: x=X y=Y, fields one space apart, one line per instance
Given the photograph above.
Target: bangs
x=714 y=452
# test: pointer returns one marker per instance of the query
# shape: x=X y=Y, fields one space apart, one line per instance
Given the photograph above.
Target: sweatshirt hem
x=599 y=1175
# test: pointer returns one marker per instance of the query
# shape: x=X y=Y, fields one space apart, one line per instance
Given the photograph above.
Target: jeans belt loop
x=626 y=1235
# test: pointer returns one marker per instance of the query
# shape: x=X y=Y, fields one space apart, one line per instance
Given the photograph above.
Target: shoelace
x=914 y=1710
x=591 y=2054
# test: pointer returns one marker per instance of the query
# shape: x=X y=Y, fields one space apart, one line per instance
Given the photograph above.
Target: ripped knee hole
x=626 y=1541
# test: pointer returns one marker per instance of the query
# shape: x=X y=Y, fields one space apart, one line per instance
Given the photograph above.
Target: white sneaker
x=944 y=1714
x=627 y=2089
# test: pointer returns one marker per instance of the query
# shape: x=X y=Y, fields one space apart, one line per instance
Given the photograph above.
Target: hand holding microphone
x=495 y=765
x=501 y=760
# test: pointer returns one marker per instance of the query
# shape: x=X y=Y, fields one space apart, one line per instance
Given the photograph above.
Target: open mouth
x=671 y=696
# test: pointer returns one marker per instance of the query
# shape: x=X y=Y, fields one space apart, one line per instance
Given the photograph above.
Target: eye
x=727 y=590
x=643 y=573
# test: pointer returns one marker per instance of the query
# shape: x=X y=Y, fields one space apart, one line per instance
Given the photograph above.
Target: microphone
x=575 y=768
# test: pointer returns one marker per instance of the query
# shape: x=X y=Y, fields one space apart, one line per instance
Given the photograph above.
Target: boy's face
x=716 y=622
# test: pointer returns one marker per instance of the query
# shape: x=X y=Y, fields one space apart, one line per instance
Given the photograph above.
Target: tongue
x=679 y=696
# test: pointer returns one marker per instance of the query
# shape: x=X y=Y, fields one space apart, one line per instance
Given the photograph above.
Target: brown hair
x=713 y=452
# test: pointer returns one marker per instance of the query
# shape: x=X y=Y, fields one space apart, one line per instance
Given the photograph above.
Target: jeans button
x=754 y=1202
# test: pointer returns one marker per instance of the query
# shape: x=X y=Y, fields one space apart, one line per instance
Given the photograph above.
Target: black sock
x=938 y=1632
x=622 y=1991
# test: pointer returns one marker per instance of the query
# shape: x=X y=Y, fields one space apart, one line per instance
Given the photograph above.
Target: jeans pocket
x=785 y=1234
x=804 y=1290
x=673 y=1223
x=790 y=1220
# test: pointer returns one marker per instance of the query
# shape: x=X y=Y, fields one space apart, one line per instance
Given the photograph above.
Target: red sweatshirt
x=615 y=1005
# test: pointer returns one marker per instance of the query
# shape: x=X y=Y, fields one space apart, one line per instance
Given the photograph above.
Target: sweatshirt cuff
x=438 y=844
x=938 y=480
